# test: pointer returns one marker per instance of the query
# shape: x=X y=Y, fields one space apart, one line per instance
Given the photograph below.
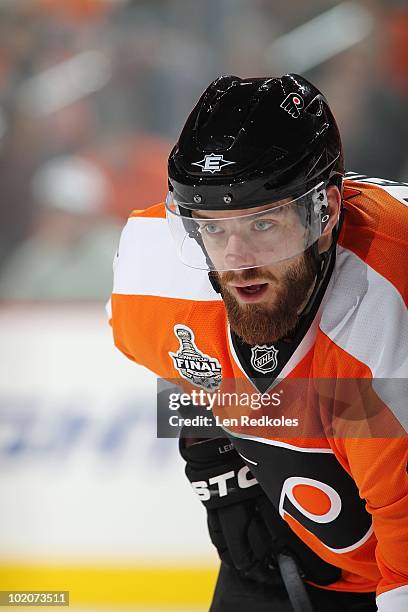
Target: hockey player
x=281 y=269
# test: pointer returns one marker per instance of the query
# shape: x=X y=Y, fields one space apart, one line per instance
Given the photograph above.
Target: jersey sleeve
x=114 y=319
x=379 y=464
x=379 y=468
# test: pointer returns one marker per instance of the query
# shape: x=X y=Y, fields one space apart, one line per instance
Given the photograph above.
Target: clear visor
x=235 y=240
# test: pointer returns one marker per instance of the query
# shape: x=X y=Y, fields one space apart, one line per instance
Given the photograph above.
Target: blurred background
x=93 y=94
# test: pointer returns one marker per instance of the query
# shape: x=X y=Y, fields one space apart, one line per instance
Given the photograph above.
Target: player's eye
x=212 y=228
x=262 y=225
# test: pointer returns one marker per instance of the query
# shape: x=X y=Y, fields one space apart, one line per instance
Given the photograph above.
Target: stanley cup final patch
x=193 y=365
x=264 y=358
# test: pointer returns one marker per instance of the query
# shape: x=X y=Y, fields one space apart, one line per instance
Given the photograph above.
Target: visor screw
x=197 y=198
x=227 y=199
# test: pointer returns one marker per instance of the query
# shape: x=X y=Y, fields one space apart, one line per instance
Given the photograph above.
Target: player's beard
x=262 y=323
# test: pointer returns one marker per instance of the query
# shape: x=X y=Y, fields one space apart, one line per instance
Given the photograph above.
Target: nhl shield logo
x=264 y=358
x=192 y=364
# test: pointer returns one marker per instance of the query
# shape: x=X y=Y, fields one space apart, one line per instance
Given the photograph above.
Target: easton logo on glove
x=223 y=484
x=217 y=473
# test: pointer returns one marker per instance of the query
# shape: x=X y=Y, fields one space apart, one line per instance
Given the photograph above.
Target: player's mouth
x=251 y=292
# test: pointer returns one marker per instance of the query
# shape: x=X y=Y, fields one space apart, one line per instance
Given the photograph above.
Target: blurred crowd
x=94 y=92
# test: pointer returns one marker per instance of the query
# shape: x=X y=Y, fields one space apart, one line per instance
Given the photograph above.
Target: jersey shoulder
x=365 y=320
x=398 y=190
x=157 y=211
x=375 y=227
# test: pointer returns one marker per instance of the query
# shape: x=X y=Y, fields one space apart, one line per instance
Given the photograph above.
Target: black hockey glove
x=228 y=490
x=244 y=526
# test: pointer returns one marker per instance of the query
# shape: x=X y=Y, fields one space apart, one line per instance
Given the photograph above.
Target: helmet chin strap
x=215 y=284
x=322 y=262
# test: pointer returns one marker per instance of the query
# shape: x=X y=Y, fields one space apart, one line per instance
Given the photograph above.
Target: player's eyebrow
x=198 y=216
x=273 y=205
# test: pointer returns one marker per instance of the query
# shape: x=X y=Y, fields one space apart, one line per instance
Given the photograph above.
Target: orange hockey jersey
x=345 y=496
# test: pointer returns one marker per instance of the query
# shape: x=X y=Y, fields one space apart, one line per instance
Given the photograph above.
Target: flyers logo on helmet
x=293 y=104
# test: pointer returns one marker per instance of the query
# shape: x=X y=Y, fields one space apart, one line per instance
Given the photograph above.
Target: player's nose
x=238 y=253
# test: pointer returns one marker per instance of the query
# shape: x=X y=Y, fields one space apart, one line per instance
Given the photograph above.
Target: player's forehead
x=225 y=214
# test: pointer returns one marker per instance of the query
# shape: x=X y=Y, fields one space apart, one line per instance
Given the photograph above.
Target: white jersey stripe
x=395 y=600
x=148 y=265
x=271 y=442
x=366 y=316
x=398 y=190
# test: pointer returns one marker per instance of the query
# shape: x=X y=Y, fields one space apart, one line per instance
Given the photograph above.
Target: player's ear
x=334 y=200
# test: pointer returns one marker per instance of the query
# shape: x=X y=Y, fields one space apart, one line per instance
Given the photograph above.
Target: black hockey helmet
x=254 y=141
x=248 y=143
